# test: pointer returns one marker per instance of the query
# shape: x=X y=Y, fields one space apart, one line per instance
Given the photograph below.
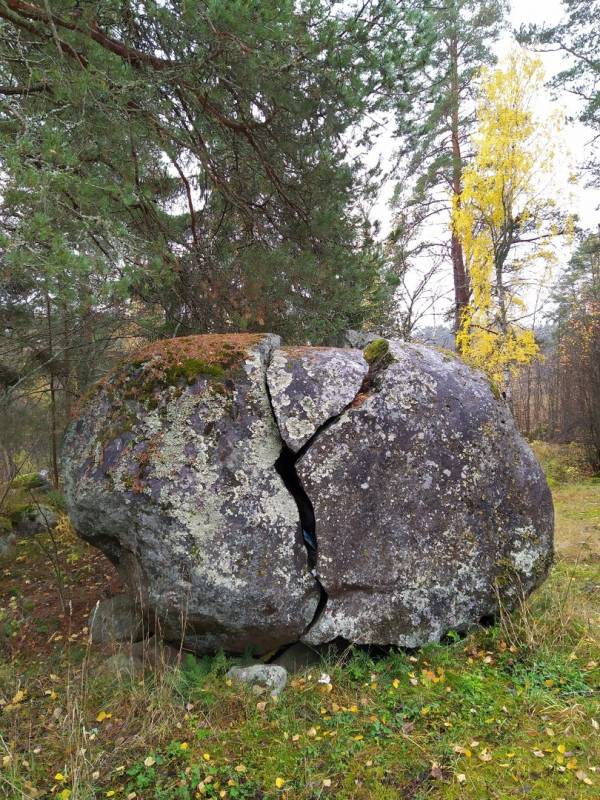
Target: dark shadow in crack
x=286 y=467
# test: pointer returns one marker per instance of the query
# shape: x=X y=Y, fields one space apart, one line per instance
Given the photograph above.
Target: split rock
x=170 y=471
x=310 y=385
x=426 y=506
x=429 y=505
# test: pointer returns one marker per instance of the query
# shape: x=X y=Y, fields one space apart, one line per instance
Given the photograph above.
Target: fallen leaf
x=582 y=776
x=436 y=772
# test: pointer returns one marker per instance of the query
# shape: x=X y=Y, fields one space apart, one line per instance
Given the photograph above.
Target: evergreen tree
x=199 y=151
x=578 y=36
x=436 y=116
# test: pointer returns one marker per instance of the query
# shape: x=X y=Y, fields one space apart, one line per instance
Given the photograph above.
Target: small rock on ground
x=122 y=666
x=117 y=619
x=35 y=519
x=268 y=675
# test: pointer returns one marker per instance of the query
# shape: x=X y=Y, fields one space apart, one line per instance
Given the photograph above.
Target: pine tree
x=200 y=151
x=436 y=117
x=578 y=36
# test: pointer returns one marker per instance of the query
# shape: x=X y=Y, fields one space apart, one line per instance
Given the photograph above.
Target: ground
x=511 y=711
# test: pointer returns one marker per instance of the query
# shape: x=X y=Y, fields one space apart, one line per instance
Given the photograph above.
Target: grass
x=508 y=712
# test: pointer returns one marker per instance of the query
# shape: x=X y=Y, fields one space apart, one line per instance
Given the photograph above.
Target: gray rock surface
x=170 y=471
x=155 y=653
x=122 y=667
x=430 y=508
x=429 y=505
x=310 y=385
x=116 y=619
x=272 y=677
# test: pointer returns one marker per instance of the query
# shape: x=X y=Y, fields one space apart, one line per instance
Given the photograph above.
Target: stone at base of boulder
x=267 y=675
x=297 y=658
x=155 y=654
x=122 y=666
x=117 y=619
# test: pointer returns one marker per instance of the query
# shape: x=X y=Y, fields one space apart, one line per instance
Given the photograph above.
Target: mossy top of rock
x=377 y=354
x=178 y=363
x=189 y=356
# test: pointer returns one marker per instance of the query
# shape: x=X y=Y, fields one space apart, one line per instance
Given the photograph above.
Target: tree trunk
x=53 y=425
x=459 y=273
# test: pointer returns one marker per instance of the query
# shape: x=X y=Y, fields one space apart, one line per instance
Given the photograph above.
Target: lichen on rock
x=427 y=507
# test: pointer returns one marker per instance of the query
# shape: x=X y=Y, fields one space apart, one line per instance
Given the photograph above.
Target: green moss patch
x=376 y=350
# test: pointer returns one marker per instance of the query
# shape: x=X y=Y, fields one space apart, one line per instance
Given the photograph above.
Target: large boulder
x=253 y=496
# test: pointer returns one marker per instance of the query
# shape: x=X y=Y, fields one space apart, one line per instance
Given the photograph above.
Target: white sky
x=580 y=200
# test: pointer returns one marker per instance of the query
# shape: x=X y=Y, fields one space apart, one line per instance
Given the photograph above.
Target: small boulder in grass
x=269 y=676
x=122 y=667
x=33 y=519
x=117 y=619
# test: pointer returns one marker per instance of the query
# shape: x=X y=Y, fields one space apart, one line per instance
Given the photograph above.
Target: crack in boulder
x=304 y=375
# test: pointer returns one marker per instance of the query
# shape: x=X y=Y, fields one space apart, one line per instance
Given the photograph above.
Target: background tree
x=169 y=168
x=203 y=148
x=506 y=216
x=578 y=36
x=435 y=119
x=577 y=319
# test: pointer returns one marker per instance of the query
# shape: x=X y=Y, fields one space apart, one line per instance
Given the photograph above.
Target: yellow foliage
x=505 y=200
